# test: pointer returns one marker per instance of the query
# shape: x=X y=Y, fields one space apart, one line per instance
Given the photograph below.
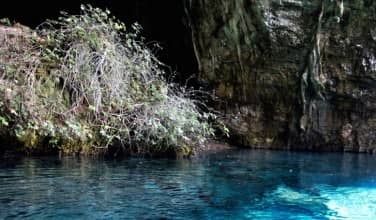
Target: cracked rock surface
x=292 y=74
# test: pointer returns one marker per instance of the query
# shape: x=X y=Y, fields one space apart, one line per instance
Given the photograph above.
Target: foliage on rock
x=85 y=80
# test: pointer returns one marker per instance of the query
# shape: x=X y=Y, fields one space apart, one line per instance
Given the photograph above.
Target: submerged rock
x=292 y=74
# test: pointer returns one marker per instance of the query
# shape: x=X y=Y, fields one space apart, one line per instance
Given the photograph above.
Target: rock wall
x=291 y=74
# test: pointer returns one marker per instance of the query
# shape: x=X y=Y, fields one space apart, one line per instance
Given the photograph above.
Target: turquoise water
x=229 y=185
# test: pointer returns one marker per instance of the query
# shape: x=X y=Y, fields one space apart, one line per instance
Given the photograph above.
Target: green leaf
x=3 y=121
x=92 y=108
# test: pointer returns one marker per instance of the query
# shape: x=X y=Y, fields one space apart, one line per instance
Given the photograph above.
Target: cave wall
x=291 y=74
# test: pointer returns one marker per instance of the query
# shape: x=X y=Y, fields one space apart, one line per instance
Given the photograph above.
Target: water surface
x=242 y=184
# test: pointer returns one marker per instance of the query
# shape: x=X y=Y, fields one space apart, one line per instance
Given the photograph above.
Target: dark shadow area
x=162 y=22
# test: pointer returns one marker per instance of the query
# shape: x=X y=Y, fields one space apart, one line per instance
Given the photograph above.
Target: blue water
x=229 y=185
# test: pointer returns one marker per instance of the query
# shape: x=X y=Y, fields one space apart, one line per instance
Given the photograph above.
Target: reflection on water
x=235 y=184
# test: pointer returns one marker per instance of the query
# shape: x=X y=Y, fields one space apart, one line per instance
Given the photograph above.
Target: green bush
x=103 y=84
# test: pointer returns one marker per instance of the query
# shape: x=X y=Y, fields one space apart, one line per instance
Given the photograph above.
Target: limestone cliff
x=292 y=74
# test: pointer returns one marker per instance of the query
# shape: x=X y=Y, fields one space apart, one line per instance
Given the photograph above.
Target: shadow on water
x=236 y=183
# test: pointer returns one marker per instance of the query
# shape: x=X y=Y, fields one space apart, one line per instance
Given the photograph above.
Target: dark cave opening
x=162 y=21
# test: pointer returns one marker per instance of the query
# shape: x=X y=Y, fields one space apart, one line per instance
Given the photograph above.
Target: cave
x=163 y=22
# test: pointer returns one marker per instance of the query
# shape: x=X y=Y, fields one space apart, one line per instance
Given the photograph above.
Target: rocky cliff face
x=292 y=74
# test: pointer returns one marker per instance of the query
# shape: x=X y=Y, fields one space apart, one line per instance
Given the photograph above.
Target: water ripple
x=233 y=185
